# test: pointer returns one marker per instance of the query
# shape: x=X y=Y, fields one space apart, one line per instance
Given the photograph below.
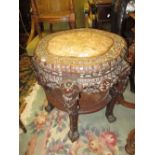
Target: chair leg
x=72 y=24
x=110 y=106
x=38 y=28
x=41 y=25
x=49 y=107
x=32 y=31
x=51 y=27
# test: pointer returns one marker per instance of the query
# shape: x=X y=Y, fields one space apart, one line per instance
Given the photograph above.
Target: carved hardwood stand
x=80 y=85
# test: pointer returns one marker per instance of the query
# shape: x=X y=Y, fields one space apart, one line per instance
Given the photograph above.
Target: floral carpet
x=47 y=133
x=26 y=77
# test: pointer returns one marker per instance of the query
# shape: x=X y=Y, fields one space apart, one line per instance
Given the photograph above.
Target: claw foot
x=49 y=108
x=111 y=118
x=73 y=135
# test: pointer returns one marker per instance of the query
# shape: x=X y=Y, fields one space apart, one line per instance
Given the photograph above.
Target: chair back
x=50 y=11
x=43 y=7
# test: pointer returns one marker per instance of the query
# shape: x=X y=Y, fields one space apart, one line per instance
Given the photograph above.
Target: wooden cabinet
x=98 y=12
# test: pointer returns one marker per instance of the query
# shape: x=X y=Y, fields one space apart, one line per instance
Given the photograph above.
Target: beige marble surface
x=79 y=44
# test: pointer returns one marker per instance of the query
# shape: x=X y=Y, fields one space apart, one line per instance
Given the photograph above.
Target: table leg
x=73 y=116
x=22 y=125
x=70 y=94
x=116 y=91
x=109 y=109
x=49 y=107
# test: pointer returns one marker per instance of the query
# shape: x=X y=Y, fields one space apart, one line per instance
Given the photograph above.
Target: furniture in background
x=130 y=146
x=97 y=12
x=24 y=24
x=82 y=71
x=122 y=24
x=119 y=14
x=50 y=11
x=131 y=57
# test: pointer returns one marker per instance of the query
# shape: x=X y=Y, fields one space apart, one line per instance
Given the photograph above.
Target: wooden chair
x=50 y=11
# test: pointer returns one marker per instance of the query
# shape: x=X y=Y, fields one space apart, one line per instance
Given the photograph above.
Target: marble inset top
x=79 y=44
x=80 y=47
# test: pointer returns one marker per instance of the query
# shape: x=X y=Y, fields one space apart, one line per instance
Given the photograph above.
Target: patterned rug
x=47 y=133
x=26 y=77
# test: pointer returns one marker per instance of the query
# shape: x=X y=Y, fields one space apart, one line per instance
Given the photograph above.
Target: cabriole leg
x=70 y=94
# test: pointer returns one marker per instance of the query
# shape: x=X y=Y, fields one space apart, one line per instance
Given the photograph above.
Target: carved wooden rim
x=117 y=51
